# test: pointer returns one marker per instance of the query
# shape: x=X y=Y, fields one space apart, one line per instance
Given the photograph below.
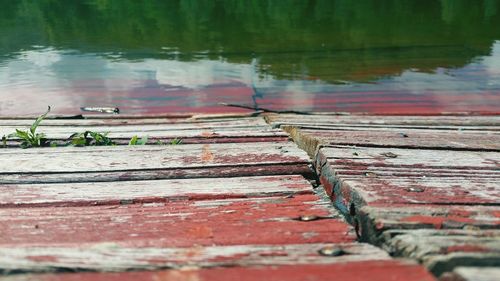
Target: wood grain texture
x=190 y=130
x=443 y=250
x=469 y=273
x=445 y=132
x=81 y=194
x=375 y=221
x=73 y=164
x=120 y=121
x=105 y=159
x=110 y=257
x=378 y=270
x=383 y=121
x=177 y=223
x=355 y=177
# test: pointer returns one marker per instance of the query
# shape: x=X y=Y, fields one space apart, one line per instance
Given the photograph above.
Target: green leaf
x=175 y=141
x=143 y=141
x=4 y=141
x=133 y=140
x=38 y=120
x=22 y=134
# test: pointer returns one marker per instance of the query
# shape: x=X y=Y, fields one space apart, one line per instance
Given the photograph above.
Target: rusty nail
x=471 y=227
x=415 y=189
x=308 y=218
x=331 y=251
x=390 y=155
x=355 y=153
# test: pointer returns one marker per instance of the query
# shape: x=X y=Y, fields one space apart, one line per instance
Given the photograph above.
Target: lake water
x=148 y=57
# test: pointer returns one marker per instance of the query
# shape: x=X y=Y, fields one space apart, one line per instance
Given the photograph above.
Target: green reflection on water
x=323 y=39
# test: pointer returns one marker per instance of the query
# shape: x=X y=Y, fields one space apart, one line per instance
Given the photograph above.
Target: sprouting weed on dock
x=135 y=140
x=89 y=138
x=30 y=138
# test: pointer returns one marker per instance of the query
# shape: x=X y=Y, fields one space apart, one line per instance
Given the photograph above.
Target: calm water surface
x=380 y=56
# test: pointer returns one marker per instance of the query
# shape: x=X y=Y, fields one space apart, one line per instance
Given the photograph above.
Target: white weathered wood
x=119 y=158
x=469 y=273
x=153 y=190
x=407 y=121
x=113 y=257
x=175 y=123
x=442 y=250
x=376 y=157
x=153 y=131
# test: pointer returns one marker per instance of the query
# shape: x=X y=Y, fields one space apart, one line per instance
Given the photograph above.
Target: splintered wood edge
x=305 y=142
x=468 y=248
x=469 y=273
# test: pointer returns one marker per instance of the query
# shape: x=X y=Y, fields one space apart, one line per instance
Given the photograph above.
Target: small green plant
x=89 y=138
x=176 y=141
x=135 y=140
x=30 y=138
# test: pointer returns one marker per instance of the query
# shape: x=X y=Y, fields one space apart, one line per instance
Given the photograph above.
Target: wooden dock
x=239 y=199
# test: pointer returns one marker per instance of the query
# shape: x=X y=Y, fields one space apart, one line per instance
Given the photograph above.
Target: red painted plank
x=353 y=271
x=111 y=257
x=271 y=220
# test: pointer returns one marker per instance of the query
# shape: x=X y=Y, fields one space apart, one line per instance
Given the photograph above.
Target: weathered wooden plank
x=177 y=223
x=384 y=121
x=155 y=174
x=389 y=190
x=81 y=194
x=175 y=123
x=408 y=158
x=162 y=132
x=310 y=140
x=377 y=270
x=121 y=158
x=354 y=177
x=443 y=250
x=374 y=221
x=111 y=257
x=469 y=273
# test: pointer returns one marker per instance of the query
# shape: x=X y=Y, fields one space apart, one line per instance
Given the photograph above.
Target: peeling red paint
x=45 y=258
x=178 y=223
x=466 y=249
x=352 y=271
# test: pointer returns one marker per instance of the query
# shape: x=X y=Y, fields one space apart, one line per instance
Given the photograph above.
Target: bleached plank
x=385 y=121
x=443 y=250
x=420 y=158
x=119 y=158
x=174 y=123
x=80 y=194
x=469 y=273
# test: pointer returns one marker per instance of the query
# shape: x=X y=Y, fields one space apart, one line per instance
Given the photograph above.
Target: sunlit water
x=293 y=65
